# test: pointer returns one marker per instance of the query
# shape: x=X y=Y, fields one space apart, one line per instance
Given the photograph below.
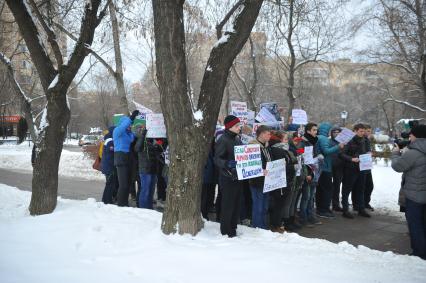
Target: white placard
x=251 y=115
x=299 y=117
x=365 y=162
x=308 y=155
x=239 y=109
x=249 y=161
x=155 y=126
x=265 y=116
x=276 y=177
x=345 y=136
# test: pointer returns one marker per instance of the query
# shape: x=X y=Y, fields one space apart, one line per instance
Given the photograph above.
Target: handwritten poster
x=299 y=117
x=365 y=162
x=308 y=155
x=276 y=177
x=249 y=161
x=345 y=136
x=155 y=126
x=239 y=109
x=265 y=116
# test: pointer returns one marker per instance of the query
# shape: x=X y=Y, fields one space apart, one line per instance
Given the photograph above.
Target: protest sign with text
x=299 y=117
x=276 y=177
x=345 y=136
x=249 y=161
x=239 y=109
x=365 y=162
x=155 y=126
x=264 y=116
x=308 y=155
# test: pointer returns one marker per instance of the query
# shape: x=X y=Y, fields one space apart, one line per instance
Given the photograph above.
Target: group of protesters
x=312 y=191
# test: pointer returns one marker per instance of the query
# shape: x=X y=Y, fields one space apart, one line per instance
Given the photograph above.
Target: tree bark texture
x=48 y=146
x=190 y=139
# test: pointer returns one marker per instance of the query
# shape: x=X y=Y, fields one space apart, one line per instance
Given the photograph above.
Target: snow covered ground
x=72 y=164
x=86 y=241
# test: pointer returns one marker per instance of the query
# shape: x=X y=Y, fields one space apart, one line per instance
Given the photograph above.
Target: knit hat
x=230 y=121
x=419 y=131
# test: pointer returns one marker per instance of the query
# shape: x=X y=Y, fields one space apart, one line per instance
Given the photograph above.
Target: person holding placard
x=310 y=141
x=369 y=185
x=123 y=137
x=324 y=192
x=229 y=185
x=280 y=200
x=260 y=199
x=354 y=178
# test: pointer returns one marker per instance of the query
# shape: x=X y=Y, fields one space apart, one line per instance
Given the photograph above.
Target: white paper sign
x=155 y=126
x=251 y=115
x=265 y=116
x=345 y=136
x=239 y=109
x=308 y=155
x=249 y=161
x=276 y=177
x=299 y=117
x=365 y=162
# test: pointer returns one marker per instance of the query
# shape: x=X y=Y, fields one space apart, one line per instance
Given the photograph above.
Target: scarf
x=312 y=140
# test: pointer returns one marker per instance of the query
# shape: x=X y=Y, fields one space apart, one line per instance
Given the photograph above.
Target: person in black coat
x=337 y=169
x=149 y=154
x=281 y=198
x=209 y=184
x=229 y=184
x=108 y=169
x=354 y=179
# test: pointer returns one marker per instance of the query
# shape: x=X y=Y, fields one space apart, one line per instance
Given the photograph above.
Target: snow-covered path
x=86 y=241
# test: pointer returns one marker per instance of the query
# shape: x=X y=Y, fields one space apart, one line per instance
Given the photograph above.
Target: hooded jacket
x=325 y=146
x=122 y=136
x=412 y=164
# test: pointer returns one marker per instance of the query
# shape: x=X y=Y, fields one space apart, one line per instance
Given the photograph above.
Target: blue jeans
x=307 y=201
x=415 y=213
x=259 y=208
x=146 y=194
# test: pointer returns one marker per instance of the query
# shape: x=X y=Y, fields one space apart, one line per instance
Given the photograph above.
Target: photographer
x=412 y=163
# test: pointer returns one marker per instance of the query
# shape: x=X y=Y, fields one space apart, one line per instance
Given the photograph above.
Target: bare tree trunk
x=292 y=69
x=189 y=139
x=119 y=78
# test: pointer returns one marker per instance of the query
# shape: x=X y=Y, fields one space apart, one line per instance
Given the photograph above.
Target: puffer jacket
x=325 y=146
x=412 y=164
x=149 y=154
x=224 y=152
x=122 y=136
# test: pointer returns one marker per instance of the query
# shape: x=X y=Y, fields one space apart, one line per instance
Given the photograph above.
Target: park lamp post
x=344 y=115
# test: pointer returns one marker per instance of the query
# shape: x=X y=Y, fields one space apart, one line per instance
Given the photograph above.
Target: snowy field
x=72 y=164
x=86 y=241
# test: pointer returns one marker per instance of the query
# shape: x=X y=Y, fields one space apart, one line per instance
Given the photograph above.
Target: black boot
x=364 y=213
x=347 y=214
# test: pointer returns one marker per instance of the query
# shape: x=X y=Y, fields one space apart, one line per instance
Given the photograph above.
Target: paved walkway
x=381 y=232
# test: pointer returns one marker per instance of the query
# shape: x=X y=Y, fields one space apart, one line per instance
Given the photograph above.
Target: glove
x=134 y=114
x=231 y=164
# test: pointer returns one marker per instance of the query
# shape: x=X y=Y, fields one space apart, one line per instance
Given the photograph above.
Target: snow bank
x=72 y=164
x=86 y=241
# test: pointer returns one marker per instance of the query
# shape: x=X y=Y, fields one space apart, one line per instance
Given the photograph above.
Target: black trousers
x=123 y=174
x=337 y=181
x=354 y=182
x=161 y=184
x=207 y=196
x=277 y=199
x=111 y=185
x=369 y=186
x=324 y=192
x=230 y=205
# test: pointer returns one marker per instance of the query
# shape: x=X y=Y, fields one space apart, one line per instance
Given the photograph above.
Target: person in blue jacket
x=324 y=192
x=123 y=137
x=108 y=169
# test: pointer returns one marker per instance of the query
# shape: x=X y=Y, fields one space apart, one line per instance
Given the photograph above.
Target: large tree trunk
x=189 y=138
x=292 y=69
x=48 y=153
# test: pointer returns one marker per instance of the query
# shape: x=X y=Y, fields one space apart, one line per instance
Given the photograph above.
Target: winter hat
x=230 y=121
x=419 y=131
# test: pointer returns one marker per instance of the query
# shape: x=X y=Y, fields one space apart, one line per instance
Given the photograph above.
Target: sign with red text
x=249 y=161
